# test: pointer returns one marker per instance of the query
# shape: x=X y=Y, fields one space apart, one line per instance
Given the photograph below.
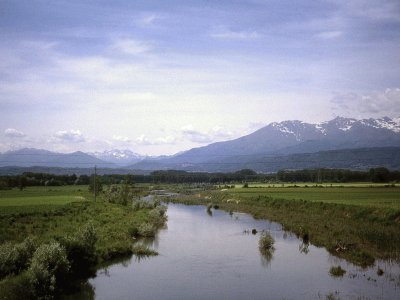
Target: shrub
x=266 y=242
x=15 y=258
x=140 y=204
x=146 y=230
x=81 y=250
x=157 y=215
x=142 y=250
x=49 y=267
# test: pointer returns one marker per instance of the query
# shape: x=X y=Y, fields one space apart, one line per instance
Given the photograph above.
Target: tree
x=22 y=182
x=379 y=174
x=95 y=185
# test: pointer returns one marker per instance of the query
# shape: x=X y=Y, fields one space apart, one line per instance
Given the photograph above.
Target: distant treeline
x=173 y=176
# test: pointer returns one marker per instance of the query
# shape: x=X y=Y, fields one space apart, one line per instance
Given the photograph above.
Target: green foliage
x=48 y=269
x=119 y=194
x=147 y=230
x=81 y=250
x=157 y=215
x=75 y=236
x=141 y=204
x=15 y=258
x=266 y=242
x=95 y=184
x=142 y=250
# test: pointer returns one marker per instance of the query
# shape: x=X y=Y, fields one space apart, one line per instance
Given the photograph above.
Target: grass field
x=40 y=199
x=378 y=197
x=313 y=184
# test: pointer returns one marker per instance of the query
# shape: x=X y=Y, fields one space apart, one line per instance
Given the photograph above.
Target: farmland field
x=36 y=199
x=379 y=196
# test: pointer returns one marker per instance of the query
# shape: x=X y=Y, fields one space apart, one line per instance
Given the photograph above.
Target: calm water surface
x=210 y=257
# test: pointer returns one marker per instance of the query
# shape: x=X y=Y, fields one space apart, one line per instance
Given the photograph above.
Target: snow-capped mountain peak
x=120 y=157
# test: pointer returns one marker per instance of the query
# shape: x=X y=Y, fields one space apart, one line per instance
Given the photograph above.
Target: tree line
x=175 y=176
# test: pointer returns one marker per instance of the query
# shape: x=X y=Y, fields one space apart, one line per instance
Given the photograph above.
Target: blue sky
x=158 y=77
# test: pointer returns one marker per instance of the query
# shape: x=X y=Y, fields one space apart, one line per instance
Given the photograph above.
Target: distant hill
x=69 y=171
x=29 y=157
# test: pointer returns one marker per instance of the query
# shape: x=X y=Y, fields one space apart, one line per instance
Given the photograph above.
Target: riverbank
x=111 y=233
x=360 y=230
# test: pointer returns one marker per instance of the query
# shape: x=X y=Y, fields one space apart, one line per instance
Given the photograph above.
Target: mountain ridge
x=291 y=137
x=277 y=139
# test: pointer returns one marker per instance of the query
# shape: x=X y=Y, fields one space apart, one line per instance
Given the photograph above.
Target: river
x=203 y=256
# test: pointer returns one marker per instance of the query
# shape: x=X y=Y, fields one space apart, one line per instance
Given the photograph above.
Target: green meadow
x=374 y=196
x=40 y=199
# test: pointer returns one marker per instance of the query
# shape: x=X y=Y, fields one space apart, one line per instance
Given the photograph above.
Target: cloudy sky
x=158 y=77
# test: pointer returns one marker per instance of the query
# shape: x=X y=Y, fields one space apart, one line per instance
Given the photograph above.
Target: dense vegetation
x=173 y=176
x=48 y=247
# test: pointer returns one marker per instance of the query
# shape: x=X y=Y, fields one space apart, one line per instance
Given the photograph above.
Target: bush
x=140 y=204
x=48 y=268
x=119 y=194
x=157 y=215
x=81 y=251
x=15 y=258
x=146 y=230
x=266 y=242
x=143 y=251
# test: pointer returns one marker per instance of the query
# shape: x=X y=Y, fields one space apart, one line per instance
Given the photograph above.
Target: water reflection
x=266 y=256
x=304 y=247
x=86 y=292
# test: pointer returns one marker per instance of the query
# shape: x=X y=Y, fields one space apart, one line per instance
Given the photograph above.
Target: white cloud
x=130 y=46
x=328 y=35
x=217 y=133
x=119 y=138
x=227 y=34
x=74 y=136
x=375 y=103
x=144 y=140
x=14 y=133
x=149 y=19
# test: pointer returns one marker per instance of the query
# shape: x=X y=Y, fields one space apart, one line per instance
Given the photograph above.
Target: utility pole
x=94 y=182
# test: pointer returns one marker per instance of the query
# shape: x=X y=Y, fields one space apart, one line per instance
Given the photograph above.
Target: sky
x=159 y=77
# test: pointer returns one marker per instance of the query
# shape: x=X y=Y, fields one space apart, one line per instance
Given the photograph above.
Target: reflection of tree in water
x=303 y=248
x=86 y=292
x=266 y=256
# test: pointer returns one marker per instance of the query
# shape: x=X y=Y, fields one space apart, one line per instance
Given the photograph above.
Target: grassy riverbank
x=59 y=215
x=360 y=224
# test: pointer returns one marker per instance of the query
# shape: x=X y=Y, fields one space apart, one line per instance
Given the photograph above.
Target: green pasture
x=313 y=184
x=40 y=199
x=381 y=197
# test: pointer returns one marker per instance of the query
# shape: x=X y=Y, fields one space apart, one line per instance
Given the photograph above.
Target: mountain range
x=119 y=157
x=341 y=142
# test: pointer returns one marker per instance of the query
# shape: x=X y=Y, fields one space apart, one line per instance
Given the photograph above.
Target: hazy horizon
x=159 y=78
